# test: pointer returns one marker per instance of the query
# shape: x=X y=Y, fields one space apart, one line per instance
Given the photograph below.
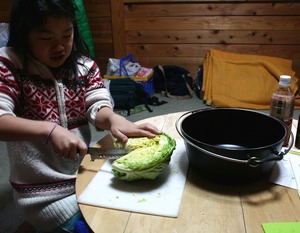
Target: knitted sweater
x=44 y=183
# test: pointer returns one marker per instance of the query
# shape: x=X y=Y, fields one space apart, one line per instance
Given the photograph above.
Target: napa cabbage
x=147 y=159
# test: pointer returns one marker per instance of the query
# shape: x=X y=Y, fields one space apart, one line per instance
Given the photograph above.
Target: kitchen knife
x=106 y=153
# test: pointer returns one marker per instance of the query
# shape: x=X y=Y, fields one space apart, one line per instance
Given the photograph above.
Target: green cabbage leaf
x=147 y=159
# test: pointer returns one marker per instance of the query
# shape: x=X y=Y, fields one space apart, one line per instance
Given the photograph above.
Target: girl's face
x=52 y=43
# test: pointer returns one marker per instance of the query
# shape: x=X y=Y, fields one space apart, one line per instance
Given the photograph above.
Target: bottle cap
x=285 y=80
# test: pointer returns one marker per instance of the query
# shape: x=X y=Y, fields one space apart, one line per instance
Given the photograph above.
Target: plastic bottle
x=282 y=104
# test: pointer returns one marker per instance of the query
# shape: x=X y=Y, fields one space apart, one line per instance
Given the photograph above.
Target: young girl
x=49 y=90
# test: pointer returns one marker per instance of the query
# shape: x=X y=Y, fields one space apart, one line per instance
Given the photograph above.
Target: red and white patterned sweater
x=44 y=183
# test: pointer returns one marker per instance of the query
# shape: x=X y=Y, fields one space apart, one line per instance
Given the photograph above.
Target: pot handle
x=252 y=161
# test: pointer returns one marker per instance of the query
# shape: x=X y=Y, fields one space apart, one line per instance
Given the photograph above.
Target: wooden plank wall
x=182 y=32
x=4 y=10
x=99 y=15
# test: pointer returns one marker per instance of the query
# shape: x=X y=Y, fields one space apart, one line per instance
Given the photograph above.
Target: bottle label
x=282 y=107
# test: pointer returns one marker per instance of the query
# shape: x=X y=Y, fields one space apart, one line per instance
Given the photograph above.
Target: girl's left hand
x=121 y=128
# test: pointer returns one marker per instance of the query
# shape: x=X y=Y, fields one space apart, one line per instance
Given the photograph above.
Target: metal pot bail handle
x=254 y=162
x=180 y=118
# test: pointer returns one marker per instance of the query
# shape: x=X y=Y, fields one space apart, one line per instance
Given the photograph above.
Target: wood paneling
x=99 y=16
x=220 y=8
x=5 y=10
x=182 y=32
x=213 y=36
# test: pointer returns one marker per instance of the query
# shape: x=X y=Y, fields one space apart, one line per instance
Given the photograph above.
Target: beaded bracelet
x=49 y=134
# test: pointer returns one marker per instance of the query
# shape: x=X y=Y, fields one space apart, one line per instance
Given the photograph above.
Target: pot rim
x=253 y=161
x=232 y=109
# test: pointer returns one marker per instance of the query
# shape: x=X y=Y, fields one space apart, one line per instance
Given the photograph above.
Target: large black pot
x=232 y=145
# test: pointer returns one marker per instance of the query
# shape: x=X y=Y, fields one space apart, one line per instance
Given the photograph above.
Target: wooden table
x=206 y=206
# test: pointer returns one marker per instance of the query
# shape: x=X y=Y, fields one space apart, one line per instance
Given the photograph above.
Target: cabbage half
x=147 y=159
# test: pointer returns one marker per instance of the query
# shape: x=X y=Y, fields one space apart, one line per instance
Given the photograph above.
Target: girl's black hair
x=30 y=14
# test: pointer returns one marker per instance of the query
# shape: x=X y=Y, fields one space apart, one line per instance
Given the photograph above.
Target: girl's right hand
x=67 y=144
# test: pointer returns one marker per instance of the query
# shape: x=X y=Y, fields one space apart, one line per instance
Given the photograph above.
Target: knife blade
x=106 y=153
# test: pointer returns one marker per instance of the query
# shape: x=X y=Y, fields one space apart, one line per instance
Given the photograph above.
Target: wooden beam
x=118 y=29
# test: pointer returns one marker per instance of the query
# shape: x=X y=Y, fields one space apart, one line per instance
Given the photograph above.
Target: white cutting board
x=161 y=196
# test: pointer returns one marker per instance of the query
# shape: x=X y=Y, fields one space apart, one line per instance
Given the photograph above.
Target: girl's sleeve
x=8 y=91
x=97 y=95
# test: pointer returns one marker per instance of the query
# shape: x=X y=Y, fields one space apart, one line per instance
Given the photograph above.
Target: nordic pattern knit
x=43 y=182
